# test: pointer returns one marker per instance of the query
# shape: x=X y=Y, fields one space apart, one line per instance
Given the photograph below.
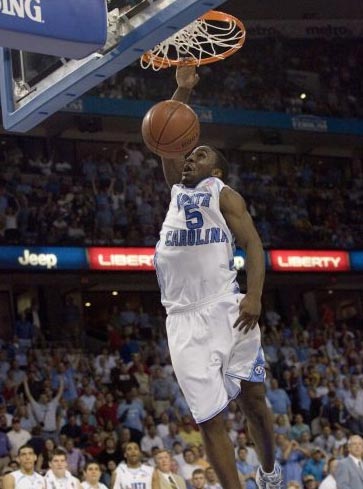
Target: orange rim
x=214 y=15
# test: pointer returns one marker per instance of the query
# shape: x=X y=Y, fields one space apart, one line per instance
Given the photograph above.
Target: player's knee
x=211 y=425
x=253 y=398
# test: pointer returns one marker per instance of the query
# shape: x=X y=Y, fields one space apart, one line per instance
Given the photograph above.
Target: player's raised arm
x=186 y=78
x=234 y=210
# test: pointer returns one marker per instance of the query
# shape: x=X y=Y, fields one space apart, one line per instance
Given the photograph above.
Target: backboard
x=34 y=86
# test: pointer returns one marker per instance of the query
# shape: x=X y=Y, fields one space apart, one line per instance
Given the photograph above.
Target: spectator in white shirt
x=326 y=440
x=354 y=404
x=329 y=482
x=251 y=453
x=232 y=433
x=103 y=365
x=163 y=427
x=212 y=479
x=150 y=440
x=17 y=437
x=189 y=465
x=135 y=156
x=88 y=399
x=45 y=410
x=340 y=439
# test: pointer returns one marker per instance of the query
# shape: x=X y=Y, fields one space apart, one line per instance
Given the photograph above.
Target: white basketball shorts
x=210 y=358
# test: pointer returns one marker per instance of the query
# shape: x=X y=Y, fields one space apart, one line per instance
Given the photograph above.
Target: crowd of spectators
x=91 y=405
x=118 y=196
x=267 y=74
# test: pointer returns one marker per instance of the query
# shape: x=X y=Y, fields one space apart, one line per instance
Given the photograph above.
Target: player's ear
x=217 y=172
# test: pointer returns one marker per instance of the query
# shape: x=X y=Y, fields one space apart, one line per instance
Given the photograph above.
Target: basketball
x=170 y=128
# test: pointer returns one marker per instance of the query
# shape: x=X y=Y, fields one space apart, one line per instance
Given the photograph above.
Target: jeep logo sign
x=23 y=9
x=46 y=260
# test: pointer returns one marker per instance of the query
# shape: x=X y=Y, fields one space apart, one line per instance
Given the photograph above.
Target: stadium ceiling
x=295 y=9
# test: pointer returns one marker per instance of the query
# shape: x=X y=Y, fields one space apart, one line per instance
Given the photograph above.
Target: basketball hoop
x=212 y=37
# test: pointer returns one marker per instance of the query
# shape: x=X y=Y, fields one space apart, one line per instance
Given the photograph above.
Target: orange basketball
x=170 y=129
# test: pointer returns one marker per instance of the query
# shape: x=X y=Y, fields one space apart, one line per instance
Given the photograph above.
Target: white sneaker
x=269 y=481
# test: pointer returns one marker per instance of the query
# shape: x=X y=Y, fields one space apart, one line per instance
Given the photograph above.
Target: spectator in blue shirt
x=4 y=450
x=161 y=391
x=247 y=470
x=290 y=455
x=172 y=437
x=280 y=401
x=24 y=330
x=304 y=399
x=299 y=427
x=315 y=465
x=131 y=414
x=128 y=348
x=66 y=372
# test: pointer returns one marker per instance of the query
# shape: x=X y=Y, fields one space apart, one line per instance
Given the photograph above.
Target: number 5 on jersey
x=194 y=219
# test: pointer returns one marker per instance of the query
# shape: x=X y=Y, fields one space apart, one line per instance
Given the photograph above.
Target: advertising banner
x=218 y=115
x=305 y=29
x=67 y=28
x=140 y=259
x=56 y=258
x=32 y=258
x=356 y=260
x=309 y=261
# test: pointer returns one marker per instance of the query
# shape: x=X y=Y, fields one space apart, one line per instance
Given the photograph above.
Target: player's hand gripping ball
x=170 y=128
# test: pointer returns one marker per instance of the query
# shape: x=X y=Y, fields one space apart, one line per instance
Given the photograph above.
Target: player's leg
x=246 y=361
x=252 y=402
x=220 y=451
x=197 y=347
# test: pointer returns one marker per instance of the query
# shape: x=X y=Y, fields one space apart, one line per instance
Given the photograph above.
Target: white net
x=203 y=41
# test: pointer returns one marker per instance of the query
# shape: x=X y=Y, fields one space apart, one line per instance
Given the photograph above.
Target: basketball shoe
x=269 y=481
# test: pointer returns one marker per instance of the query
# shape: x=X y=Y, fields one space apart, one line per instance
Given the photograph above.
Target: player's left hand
x=249 y=312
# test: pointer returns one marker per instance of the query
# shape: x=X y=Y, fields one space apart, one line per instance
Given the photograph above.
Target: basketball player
x=92 y=474
x=133 y=473
x=213 y=335
x=166 y=479
x=25 y=477
x=58 y=477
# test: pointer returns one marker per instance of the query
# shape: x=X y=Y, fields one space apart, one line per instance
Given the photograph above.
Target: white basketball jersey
x=194 y=257
x=139 y=478
x=87 y=485
x=24 y=481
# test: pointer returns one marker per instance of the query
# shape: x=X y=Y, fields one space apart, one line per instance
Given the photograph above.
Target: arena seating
x=314 y=386
x=269 y=74
x=119 y=197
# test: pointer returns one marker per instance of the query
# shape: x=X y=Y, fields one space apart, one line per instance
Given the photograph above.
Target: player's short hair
x=221 y=162
x=25 y=446
x=163 y=450
x=58 y=452
x=198 y=472
x=91 y=462
x=128 y=443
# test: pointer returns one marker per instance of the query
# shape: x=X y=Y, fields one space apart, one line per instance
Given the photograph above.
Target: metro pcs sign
x=309 y=261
